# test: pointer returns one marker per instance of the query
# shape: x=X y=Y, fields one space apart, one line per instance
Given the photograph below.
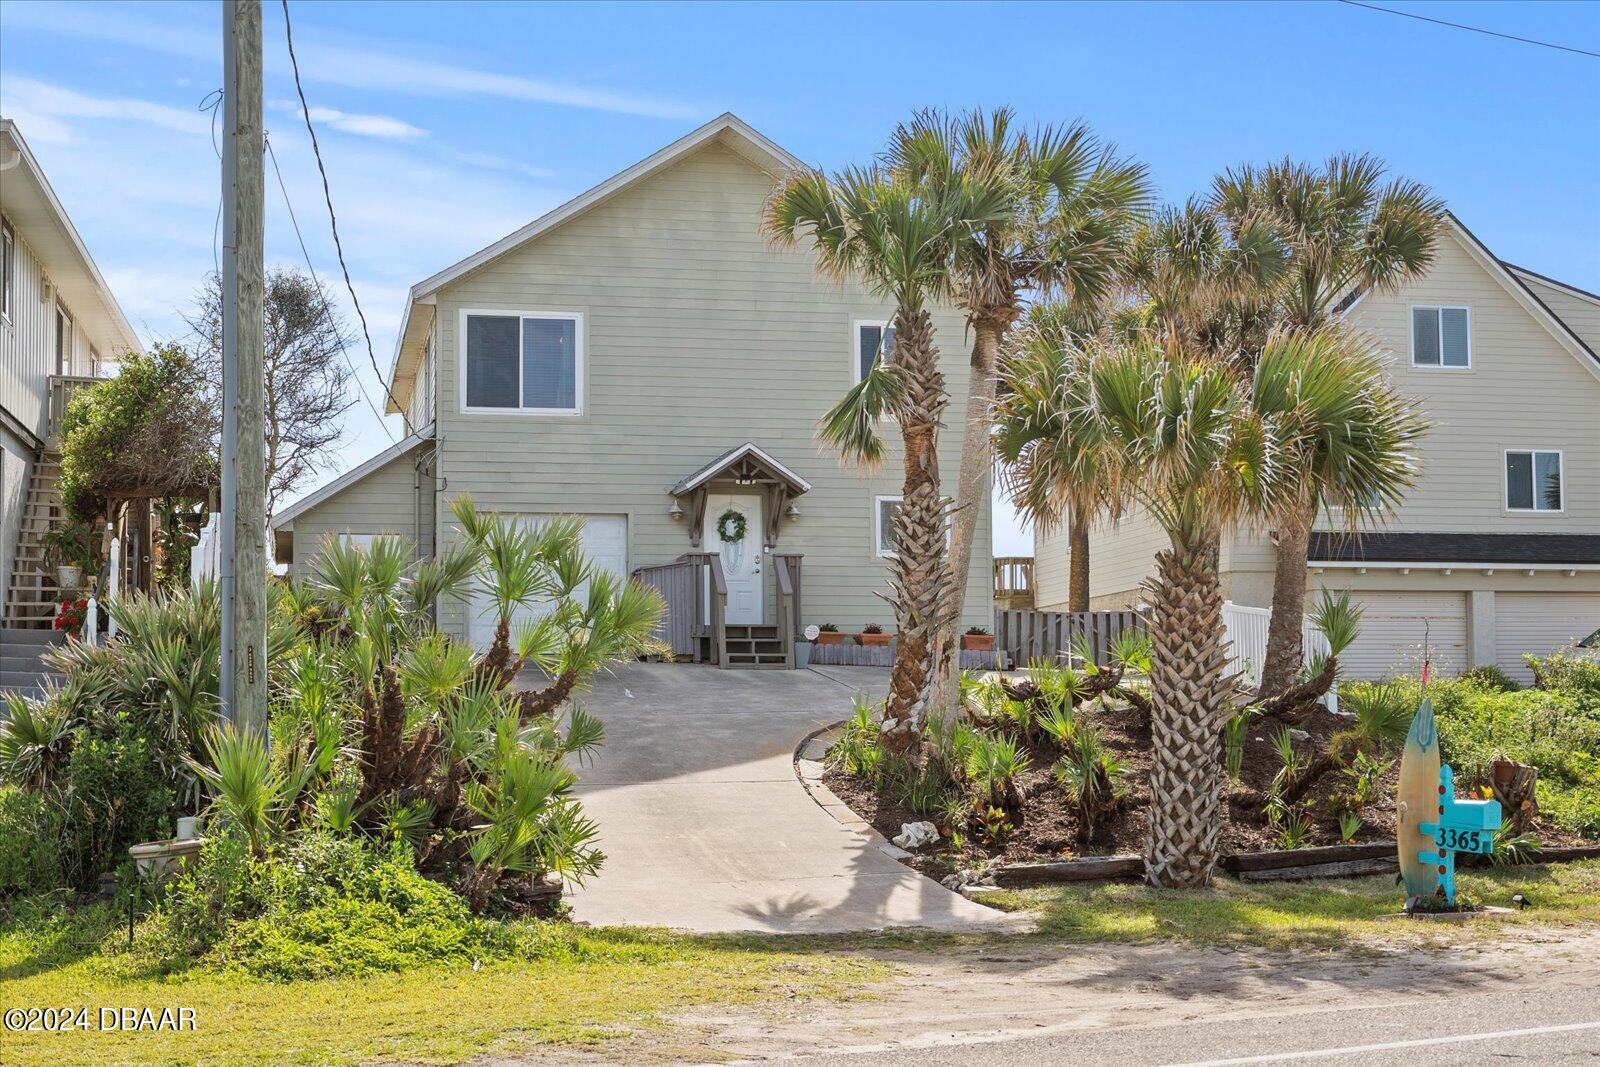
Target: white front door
x=741 y=559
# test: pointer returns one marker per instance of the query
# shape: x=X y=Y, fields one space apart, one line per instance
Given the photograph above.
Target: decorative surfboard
x=1419 y=804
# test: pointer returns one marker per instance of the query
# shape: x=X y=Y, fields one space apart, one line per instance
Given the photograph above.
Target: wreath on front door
x=731 y=526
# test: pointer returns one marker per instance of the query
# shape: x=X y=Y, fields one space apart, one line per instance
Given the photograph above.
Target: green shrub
x=1567 y=670
x=30 y=857
x=1490 y=678
x=113 y=793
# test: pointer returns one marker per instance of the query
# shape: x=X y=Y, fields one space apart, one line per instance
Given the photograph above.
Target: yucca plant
x=1349 y=826
x=1091 y=776
x=35 y=739
x=250 y=793
x=993 y=765
x=1383 y=715
x=1233 y=738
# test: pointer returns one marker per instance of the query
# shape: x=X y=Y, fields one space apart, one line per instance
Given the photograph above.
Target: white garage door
x=605 y=543
x=1540 y=623
x=1394 y=627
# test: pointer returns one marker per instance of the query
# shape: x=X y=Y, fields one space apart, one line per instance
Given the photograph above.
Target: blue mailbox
x=1462 y=826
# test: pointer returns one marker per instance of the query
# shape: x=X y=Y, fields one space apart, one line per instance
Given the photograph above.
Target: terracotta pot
x=830 y=637
x=875 y=640
x=978 y=642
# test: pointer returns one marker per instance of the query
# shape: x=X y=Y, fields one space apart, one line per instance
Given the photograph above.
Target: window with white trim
x=884 y=510
x=1441 y=337
x=529 y=363
x=8 y=266
x=873 y=340
x=1533 y=480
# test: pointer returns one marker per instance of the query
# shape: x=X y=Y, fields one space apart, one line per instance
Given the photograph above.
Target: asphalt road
x=1536 y=1027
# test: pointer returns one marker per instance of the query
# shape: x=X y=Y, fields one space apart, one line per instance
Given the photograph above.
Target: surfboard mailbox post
x=1462 y=826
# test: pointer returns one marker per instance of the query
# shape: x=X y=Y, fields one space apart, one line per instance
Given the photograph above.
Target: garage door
x=1394 y=627
x=605 y=543
x=1540 y=623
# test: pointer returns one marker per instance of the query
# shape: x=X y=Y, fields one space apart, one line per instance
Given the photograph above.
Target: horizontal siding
x=1580 y=313
x=1051 y=573
x=699 y=337
x=1121 y=556
x=384 y=502
x=27 y=345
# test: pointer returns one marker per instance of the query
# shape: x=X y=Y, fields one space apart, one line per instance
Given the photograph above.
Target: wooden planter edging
x=1088 y=869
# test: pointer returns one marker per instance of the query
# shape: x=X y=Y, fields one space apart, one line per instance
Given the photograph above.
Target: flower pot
x=69 y=577
x=872 y=640
x=978 y=642
x=830 y=637
x=159 y=860
x=802 y=654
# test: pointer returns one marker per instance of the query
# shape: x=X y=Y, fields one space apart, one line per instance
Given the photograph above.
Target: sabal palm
x=1068 y=204
x=1345 y=231
x=895 y=239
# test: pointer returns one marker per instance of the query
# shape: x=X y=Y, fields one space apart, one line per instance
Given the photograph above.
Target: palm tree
x=1200 y=450
x=1345 y=232
x=895 y=239
x=1067 y=204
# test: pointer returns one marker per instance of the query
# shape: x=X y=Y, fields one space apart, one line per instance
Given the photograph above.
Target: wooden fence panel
x=679 y=585
x=1026 y=636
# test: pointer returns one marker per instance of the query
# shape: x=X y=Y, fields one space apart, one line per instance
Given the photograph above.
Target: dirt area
x=992 y=992
x=1049 y=826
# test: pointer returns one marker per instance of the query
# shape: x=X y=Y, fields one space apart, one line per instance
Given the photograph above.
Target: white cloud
x=490 y=161
x=42 y=101
x=383 y=126
x=356 y=68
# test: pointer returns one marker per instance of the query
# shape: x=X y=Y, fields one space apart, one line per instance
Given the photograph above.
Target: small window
x=1440 y=337
x=885 y=508
x=63 y=341
x=8 y=267
x=1533 y=481
x=873 y=340
x=528 y=363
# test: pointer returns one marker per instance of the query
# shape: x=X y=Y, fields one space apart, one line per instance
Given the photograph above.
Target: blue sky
x=445 y=126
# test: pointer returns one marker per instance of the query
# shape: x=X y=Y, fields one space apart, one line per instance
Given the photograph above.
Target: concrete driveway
x=705 y=826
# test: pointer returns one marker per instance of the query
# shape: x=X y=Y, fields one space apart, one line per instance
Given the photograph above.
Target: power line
x=333 y=219
x=1464 y=26
x=327 y=310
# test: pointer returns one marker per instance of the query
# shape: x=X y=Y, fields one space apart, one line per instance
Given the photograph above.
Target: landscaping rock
x=1299 y=735
x=915 y=835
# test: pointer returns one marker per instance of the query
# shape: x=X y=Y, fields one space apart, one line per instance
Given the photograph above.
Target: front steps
x=21 y=664
x=755 y=647
x=32 y=595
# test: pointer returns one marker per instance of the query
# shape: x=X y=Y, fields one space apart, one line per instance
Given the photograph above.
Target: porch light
x=792 y=512
x=676 y=511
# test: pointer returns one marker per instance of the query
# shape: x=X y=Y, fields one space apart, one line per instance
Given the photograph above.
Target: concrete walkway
x=705 y=826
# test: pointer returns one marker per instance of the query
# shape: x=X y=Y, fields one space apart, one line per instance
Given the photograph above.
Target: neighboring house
x=642 y=358
x=57 y=321
x=1496 y=552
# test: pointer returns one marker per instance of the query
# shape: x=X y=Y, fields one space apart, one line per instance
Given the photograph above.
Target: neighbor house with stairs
x=1496 y=550
x=58 y=323
x=641 y=357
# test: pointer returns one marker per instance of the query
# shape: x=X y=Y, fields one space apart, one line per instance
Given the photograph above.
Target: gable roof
x=1571 y=290
x=727 y=129
x=284 y=519
x=723 y=462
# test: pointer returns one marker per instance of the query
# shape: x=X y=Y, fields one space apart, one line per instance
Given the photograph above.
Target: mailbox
x=1461 y=826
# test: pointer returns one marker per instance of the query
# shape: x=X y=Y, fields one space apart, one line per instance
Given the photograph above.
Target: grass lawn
x=1343 y=913
x=578 y=985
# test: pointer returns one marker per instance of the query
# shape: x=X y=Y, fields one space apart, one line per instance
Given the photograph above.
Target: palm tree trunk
x=1077 y=561
x=1186 y=684
x=972 y=482
x=1283 y=661
x=919 y=572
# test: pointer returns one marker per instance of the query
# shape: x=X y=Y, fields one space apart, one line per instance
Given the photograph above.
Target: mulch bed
x=1049 y=828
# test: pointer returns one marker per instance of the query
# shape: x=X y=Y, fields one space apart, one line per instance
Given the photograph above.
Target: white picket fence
x=1245 y=634
x=205 y=558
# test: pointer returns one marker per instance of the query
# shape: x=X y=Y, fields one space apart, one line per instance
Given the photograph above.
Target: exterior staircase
x=21 y=665
x=755 y=647
x=32 y=597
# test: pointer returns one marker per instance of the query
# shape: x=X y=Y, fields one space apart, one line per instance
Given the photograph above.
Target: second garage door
x=605 y=543
x=1540 y=623
x=1394 y=627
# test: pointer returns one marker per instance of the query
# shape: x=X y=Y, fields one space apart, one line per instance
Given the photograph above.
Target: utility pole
x=244 y=475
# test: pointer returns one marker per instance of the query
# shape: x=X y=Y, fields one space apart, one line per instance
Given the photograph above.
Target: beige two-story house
x=58 y=320
x=1496 y=552
x=642 y=358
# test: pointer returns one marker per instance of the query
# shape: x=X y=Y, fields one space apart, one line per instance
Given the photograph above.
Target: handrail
x=786 y=619
x=719 y=578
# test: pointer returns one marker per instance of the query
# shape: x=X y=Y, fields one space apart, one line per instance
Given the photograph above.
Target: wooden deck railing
x=788 y=568
x=62 y=388
x=679 y=584
x=1013 y=582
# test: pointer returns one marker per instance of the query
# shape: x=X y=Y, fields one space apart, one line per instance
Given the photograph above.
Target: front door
x=741 y=555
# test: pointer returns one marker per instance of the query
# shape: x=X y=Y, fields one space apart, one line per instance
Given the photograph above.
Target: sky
x=445 y=126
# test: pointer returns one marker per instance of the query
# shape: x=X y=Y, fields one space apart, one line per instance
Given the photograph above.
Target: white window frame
x=8 y=264
x=579 y=355
x=1505 y=481
x=855 y=344
x=877 y=526
x=1441 y=308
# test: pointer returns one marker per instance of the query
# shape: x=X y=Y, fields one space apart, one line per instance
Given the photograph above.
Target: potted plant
x=872 y=634
x=977 y=639
x=828 y=634
x=71 y=614
x=72 y=549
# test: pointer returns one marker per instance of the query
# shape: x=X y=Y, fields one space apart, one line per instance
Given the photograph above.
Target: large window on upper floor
x=527 y=362
x=874 y=340
x=1441 y=337
x=1533 y=480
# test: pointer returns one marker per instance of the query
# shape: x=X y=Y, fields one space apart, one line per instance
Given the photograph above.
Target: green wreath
x=731 y=526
